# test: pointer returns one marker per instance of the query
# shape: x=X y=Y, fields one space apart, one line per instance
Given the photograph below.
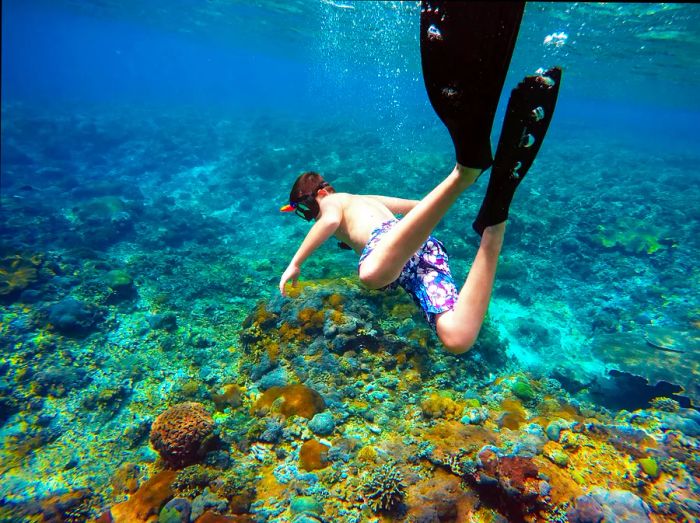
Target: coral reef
x=128 y=293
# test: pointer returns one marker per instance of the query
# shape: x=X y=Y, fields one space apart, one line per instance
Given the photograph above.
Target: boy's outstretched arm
x=325 y=226
x=395 y=205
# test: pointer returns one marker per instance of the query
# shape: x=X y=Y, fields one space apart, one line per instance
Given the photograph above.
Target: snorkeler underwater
x=479 y=304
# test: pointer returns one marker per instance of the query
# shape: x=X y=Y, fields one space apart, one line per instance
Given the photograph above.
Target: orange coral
x=179 y=434
x=232 y=396
x=145 y=504
x=440 y=498
x=296 y=399
x=449 y=436
x=126 y=478
x=313 y=455
x=513 y=414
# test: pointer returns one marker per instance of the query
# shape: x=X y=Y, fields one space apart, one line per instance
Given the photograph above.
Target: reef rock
x=74 y=318
x=621 y=506
x=668 y=357
x=511 y=481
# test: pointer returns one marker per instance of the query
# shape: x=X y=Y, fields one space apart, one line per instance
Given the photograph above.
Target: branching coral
x=384 y=491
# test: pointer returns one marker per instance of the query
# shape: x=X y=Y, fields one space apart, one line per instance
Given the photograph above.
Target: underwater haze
x=150 y=370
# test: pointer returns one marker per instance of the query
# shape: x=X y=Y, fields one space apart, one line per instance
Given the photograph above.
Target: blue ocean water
x=147 y=148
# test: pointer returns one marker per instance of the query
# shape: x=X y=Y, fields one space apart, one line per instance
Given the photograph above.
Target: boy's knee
x=458 y=346
x=455 y=340
x=371 y=277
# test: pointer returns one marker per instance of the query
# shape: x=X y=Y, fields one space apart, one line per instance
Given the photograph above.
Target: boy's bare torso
x=360 y=216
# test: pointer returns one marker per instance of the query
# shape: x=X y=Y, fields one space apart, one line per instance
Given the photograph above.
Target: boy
x=465 y=50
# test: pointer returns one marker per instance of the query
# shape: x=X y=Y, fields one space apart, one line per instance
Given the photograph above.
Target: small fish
x=339 y=6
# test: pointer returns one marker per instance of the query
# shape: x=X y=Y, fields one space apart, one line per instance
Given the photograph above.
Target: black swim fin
x=527 y=119
x=466 y=48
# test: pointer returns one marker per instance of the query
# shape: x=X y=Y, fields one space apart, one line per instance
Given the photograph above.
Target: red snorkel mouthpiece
x=288 y=208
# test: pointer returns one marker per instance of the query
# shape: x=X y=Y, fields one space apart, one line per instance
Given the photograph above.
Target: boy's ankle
x=492 y=237
x=468 y=174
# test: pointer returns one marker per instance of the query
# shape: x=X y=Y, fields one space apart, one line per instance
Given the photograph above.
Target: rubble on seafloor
x=346 y=411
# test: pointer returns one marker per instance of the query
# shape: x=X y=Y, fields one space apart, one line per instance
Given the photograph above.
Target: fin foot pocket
x=525 y=125
x=466 y=49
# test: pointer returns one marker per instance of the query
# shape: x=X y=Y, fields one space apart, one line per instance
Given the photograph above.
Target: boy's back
x=359 y=216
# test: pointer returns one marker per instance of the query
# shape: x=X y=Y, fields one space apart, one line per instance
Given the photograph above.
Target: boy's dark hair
x=307 y=184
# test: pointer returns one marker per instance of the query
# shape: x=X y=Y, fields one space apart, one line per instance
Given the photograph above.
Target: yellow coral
x=367 y=454
x=401 y=311
x=310 y=318
x=437 y=406
x=337 y=317
x=513 y=414
x=335 y=301
x=17 y=272
x=289 y=333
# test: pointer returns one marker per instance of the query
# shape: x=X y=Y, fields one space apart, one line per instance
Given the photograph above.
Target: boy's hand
x=291 y=273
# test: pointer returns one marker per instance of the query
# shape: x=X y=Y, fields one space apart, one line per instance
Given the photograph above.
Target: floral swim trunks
x=426 y=275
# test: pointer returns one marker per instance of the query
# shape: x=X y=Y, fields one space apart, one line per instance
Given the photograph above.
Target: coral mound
x=180 y=433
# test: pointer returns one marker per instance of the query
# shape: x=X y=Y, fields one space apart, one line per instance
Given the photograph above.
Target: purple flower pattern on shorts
x=426 y=275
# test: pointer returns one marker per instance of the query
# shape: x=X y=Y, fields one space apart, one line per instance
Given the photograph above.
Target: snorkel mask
x=306 y=205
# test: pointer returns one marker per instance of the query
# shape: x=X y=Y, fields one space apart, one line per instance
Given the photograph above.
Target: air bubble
x=434 y=33
x=527 y=141
x=514 y=174
x=449 y=92
x=537 y=114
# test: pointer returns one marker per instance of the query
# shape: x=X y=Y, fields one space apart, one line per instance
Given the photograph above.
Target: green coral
x=118 y=278
x=650 y=467
x=665 y=404
x=558 y=457
x=170 y=515
x=522 y=389
x=632 y=236
x=191 y=481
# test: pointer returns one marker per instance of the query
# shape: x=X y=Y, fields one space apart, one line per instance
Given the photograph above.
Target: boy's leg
x=466 y=48
x=459 y=328
x=384 y=264
x=528 y=115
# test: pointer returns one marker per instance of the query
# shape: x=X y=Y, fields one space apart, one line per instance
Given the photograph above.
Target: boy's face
x=308 y=206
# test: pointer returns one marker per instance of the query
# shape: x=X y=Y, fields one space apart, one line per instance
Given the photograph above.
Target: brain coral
x=179 y=434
